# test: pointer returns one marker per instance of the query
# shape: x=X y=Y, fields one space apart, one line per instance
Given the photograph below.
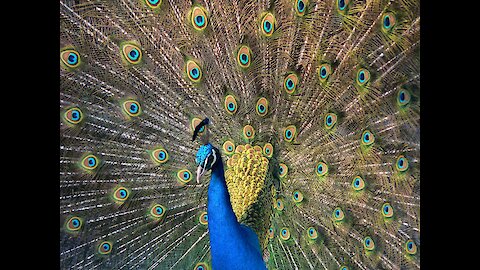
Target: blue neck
x=220 y=213
x=233 y=246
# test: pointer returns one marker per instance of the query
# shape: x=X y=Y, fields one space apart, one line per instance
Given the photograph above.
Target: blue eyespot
x=402 y=163
x=75 y=223
x=75 y=115
x=323 y=72
x=281 y=170
x=361 y=76
x=367 y=138
x=133 y=108
x=194 y=73
x=341 y=4
x=300 y=6
x=267 y=26
x=199 y=20
x=261 y=108
x=284 y=232
x=186 y=175
x=320 y=168
x=123 y=193
x=329 y=120
x=288 y=134
x=244 y=58
x=386 y=21
x=91 y=161
x=289 y=84
x=105 y=248
x=133 y=54
x=72 y=58
x=159 y=210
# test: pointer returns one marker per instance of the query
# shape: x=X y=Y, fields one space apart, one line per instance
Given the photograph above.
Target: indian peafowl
x=305 y=119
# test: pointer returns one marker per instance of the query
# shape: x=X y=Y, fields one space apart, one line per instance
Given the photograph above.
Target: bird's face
x=206 y=158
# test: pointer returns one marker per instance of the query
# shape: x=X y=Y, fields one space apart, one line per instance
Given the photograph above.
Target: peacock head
x=207 y=158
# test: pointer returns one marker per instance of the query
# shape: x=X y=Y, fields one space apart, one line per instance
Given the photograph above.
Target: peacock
x=266 y=134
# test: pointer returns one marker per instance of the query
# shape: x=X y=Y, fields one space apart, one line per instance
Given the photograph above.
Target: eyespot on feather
x=193 y=71
x=262 y=106
x=244 y=56
x=290 y=83
x=198 y=18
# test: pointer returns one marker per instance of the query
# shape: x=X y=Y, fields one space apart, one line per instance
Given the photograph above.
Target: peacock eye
x=132 y=53
x=89 y=162
x=297 y=196
x=289 y=133
x=74 y=224
x=262 y=106
x=387 y=210
x=120 y=195
x=184 y=176
x=343 y=268
x=157 y=211
x=402 y=163
x=270 y=233
x=279 y=204
x=285 y=234
x=153 y=4
x=268 y=150
x=243 y=56
x=228 y=147
x=312 y=233
x=70 y=58
x=195 y=122
x=105 y=247
x=290 y=83
x=203 y=219
x=367 y=138
x=338 y=214
x=363 y=76
x=199 y=18
x=268 y=24
x=248 y=132
x=159 y=155
x=410 y=247
x=330 y=120
x=324 y=71
x=131 y=108
x=388 y=20
x=282 y=170
x=301 y=7
x=201 y=266
x=342 y=4
x=403 y=97
x=368 y=243
x=358 y=183
x=321 y=169
x=73 y=116
x=194 y=73
x=230 y=104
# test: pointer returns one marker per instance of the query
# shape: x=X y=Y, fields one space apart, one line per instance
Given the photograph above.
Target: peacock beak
x=200 y=172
